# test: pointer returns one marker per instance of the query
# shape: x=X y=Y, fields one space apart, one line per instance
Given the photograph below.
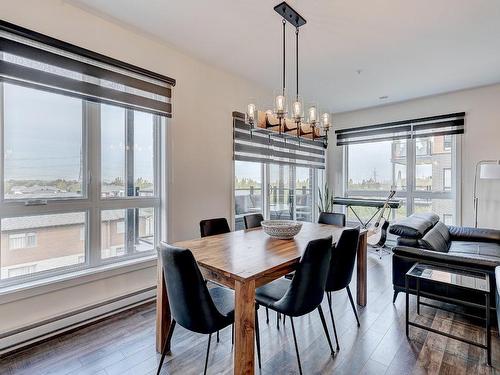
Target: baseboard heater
x=19 y=338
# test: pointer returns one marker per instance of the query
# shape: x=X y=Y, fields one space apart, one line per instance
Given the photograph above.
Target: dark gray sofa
x=422 y=237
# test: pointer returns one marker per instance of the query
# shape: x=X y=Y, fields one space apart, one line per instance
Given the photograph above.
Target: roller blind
x=35 y=60
x=448 y=124
x=262 y=147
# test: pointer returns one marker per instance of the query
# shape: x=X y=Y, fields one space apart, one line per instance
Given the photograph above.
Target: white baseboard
x=16 y=339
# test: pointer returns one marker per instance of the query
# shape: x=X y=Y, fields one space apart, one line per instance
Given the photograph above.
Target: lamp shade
x=490 y=171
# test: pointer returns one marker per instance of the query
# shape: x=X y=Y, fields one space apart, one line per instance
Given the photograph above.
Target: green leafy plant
x=325 y=203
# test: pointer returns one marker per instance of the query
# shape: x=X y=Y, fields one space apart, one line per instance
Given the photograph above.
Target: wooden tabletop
x=248 y=254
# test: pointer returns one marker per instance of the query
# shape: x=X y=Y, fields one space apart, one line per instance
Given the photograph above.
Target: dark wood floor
x=125 y=344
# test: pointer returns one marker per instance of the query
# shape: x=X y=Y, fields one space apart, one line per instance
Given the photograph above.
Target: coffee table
x=460 y=278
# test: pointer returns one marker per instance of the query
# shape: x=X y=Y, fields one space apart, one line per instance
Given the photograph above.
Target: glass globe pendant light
x=313 y=119
x=251 y=113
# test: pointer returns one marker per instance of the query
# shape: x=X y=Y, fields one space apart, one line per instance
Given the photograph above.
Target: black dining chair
x=332 y=218
x=193 y=305
x=341 y=269
x=211 y=227
x=304 y=293
x=253 y=220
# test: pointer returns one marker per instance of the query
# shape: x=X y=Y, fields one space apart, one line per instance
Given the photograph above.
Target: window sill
x=37 y=287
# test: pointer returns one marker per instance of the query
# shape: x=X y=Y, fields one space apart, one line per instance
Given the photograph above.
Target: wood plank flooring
x=125 y=343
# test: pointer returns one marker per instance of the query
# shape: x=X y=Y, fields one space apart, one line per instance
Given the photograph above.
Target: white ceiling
x=405 y=49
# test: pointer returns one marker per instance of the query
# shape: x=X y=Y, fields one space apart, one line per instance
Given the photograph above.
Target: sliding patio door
x=277 y=191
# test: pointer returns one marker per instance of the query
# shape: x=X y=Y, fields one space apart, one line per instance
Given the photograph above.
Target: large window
x=421 y=170
x=277 y=191
x=79 y=183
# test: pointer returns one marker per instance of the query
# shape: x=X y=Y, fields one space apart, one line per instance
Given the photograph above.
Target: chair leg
x=352 y=304
x=323 y=321
x=329 y=296
x=208 y=350
x=232 y=334
x=257 y=335
x=267 y=315
x=166 y=345
x=218 y=336
x=278 y=317
x=296 y=346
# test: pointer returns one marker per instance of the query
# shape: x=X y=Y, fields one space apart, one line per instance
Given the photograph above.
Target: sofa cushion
x=414 y=226
x=482 y=249
x=437 y=238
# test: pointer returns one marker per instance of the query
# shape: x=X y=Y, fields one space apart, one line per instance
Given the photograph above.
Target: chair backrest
x=211 y=227
x=190 y=301
x=253 y=220
x=332 y=218
x=307 y=288
x=342 y=261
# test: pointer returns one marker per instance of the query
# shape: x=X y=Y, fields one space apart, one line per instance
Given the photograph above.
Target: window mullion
x=411 y=175
x=2 y=154
x=92 y=119
x=131 y=217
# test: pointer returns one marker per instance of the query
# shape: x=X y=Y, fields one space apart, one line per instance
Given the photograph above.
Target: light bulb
x=325 y=119
x=280 y=104
x=251 y=112
x=297 y=110
x=313 y=115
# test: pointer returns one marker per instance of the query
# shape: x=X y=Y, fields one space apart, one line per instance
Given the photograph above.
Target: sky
x=43 y=137
x=365 y=158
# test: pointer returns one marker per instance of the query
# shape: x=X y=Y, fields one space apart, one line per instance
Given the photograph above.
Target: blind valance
x=452 y=123
x=263 y=147
x=35 y=60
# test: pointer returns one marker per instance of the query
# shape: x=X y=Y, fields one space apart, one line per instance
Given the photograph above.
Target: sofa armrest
x=474 y=234
x=464 y=260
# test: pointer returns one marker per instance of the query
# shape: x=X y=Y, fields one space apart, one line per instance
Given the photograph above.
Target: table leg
x=244 y=325
x=163 y=318
x=361 y=269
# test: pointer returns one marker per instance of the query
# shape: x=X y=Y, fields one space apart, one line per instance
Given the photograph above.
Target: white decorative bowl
x=282 y=229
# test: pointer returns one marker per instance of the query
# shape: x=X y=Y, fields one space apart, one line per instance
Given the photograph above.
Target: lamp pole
x=476 y=176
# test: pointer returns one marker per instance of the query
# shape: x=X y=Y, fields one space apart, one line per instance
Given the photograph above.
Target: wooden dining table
x=244 y=260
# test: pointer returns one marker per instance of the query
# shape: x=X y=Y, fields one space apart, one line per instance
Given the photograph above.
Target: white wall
x=200 y=135
x=480 y=141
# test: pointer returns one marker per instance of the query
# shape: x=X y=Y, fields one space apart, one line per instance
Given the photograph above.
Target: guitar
x=377 y=232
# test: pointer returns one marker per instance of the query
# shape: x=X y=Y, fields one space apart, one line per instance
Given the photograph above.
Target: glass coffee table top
x=457 y=277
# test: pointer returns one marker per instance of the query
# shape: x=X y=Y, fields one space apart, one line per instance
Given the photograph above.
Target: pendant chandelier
x=314 y=126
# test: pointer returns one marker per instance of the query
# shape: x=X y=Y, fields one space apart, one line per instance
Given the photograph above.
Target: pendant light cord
x=297 y=62
x=284 y=26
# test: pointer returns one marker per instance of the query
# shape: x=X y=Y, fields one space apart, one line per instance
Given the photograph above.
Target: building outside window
x=447 y=182
x=51 y=164
x=447 y=142
x=21 y=271
x=22 y=240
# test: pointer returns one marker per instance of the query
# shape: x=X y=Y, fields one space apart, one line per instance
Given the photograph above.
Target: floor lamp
x=485 y=170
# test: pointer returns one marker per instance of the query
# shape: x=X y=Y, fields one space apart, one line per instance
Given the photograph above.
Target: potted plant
x=325 y=203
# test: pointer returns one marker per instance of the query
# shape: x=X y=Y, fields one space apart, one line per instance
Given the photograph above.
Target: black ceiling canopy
x=290 y=14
